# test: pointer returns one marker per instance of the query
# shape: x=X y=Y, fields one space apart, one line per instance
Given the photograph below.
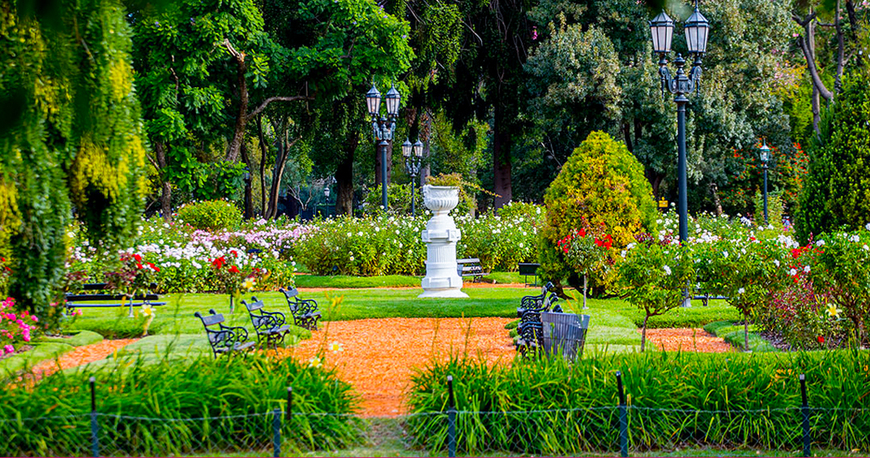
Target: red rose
x=821 y=340
x=137 y=258
x=582 y=232
x=138 y=265
x=796 y=253
x=234 y=253
x=234 y=269
x=218 y=262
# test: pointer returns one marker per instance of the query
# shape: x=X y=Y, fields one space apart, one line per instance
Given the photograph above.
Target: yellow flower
x=833 y=311
x=146 y=310
x=315 y=362
x=248 y=284
x=336 y=347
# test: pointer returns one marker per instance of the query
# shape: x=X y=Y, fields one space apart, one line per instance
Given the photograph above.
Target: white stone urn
x=440 y=236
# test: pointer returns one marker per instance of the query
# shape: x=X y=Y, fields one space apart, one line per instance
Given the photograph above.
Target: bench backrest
x=289 y=293
x=210 y=320
x=254 y=305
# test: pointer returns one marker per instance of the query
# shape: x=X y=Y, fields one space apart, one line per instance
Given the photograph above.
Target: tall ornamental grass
x=178 y=407
x=548 y=406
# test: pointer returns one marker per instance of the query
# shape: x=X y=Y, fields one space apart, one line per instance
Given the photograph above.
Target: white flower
x=792 y=272
x=315 y=362
x=867 y=226
x=351 y=259
x=776 y=262
x=807 y=269
x=667 y=270
x=725 y=254
x=741 y=291
x=820 y=243
x=336 y=347
x=866 y=248
x=855 y=238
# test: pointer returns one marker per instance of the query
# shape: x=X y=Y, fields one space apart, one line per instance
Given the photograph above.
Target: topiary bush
x=836 y=189
x=603 y=183
x=210 y=215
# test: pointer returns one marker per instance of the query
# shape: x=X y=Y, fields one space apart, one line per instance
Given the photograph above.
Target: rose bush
x=15 y=327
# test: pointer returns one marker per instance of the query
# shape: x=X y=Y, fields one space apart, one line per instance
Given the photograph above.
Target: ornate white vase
x=440 y=236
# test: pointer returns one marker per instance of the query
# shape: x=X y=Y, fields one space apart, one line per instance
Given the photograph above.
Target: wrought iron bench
x=271 y=327
x=530 y=329
x=537 y=302
x=73 y=301
x=706 y=298
x=305 y=311
x=470 y=267
x=223 y=339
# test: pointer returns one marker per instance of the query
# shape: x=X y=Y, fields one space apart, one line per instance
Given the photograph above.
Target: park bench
x=222 y=338
x=529 y=268
x=305 y=312
x=73 y=301
x=530 y=329
x=470 y=267
x=271 y=327
x=706 y=298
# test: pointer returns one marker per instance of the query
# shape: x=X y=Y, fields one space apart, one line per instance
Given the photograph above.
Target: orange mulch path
x=687 y=339
x=377 y=356
x=79 y=356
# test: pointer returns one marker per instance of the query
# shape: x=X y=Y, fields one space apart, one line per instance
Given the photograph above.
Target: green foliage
x=839 y=266
x=212 y=215
x=603 y=183
x=398 y=197
x=774 y=209
x=209 y=387
x=72 y=135
x=759 y=391
x=653 y=277
x=837 y=189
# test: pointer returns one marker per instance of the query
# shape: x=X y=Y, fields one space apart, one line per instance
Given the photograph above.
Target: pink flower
x=34 y=318
x=8 y=349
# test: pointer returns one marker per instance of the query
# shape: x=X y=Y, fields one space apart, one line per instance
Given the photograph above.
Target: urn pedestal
x=440 y=236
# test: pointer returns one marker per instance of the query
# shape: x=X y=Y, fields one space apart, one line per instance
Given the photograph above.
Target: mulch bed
x=687 y=339
x=377 y=356
x=79 y=356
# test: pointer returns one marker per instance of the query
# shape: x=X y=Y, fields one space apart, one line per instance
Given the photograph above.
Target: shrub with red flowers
x=132 y=275
x=231 y=279
x=587 y=250
x=15 y=327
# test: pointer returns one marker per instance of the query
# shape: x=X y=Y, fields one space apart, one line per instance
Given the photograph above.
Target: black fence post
x=805 y=413
x=276 y=432
x=289 y=404
x=623 y=417
x=451 y=418
x=95 y=441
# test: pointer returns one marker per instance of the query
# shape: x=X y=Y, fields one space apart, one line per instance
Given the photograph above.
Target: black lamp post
x=326 y=195
x=383 y=128
x=697 y=31
x=412 y=164
x=765 y=157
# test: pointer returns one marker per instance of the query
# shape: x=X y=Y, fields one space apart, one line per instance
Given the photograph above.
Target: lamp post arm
x=695 y=74
x=666 y=78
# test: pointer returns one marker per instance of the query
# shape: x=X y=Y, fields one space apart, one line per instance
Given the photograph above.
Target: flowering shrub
x=15 y=327
x=586 y=250
x=133 y=275
x=5 y=273
x=654 y=275
x=210 y=214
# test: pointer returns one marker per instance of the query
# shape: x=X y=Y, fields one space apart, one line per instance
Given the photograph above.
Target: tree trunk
x=344 y=184
x=745 y=332
x=278 y=173
x=242 y=118
x=643 y=334
x=501 y=161
x=264 y=148
x=166 y=194
x=716 y=201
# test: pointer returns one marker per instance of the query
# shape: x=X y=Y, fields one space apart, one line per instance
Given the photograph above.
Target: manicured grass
x=347 y=281
x=46 y=348
x=734 y=335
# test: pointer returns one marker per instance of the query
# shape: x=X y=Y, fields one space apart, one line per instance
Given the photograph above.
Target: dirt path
x=79 y=356
x=377 y=356
x=687 y=339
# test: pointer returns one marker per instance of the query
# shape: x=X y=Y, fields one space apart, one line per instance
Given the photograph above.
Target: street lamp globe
x=392 y=99
x=697 y=31
x=662 y=28
x=418 y=148
x=406 y=148
x=373 y=101
x=326 y=193
x=764 y=152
